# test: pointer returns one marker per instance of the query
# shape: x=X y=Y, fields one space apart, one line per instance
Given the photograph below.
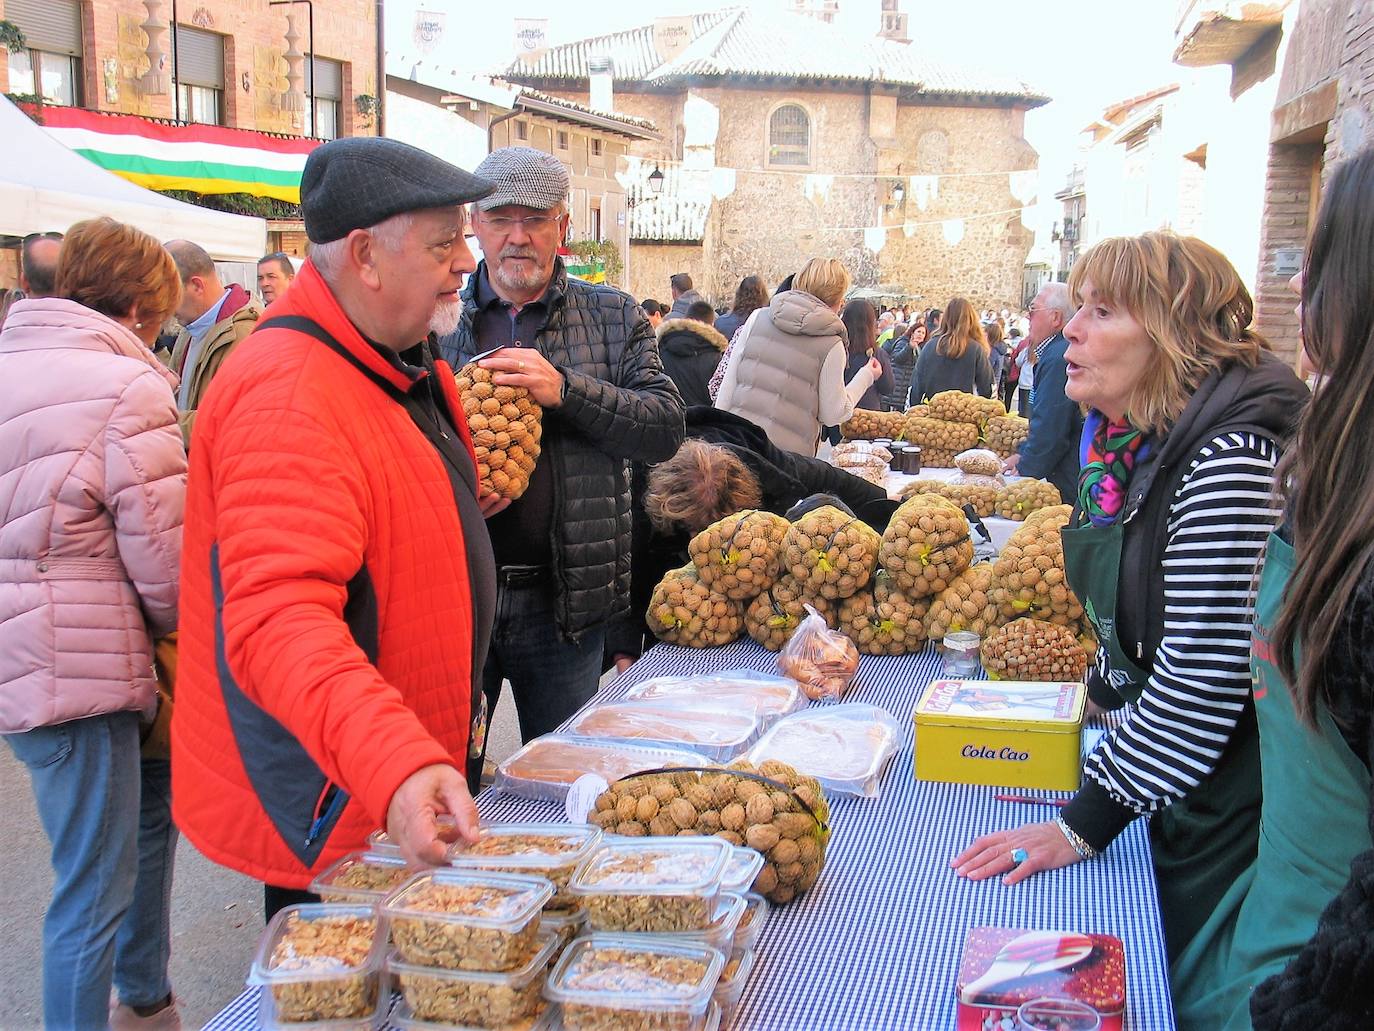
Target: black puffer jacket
x=618 y=406
x=690 y=352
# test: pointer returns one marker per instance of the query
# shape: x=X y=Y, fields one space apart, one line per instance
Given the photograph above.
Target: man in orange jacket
x=338 y=588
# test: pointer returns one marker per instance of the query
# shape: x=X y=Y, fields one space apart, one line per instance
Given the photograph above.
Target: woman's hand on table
x=1044 y=843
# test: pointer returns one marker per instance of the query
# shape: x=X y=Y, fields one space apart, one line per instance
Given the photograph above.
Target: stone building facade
x=784 y=139
x=1301 y=98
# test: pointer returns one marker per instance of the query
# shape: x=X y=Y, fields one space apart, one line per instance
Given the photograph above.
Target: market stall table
x=875 y=946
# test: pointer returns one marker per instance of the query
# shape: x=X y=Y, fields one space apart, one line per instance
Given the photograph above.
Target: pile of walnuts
x=883 y=620
x=966 y=604
x=926 y=545
x=771 y=818
x=1005 y=433
x=685 y=611
x=869 y=425
x=1019 y=499
x=506 y=425
x=1029 y=572
x=829 y=553
x=1031 y=649
x=772 y=617
x=740 y=555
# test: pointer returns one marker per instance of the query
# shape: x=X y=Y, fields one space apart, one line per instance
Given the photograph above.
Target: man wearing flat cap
x=588 y=356
x=338 y=587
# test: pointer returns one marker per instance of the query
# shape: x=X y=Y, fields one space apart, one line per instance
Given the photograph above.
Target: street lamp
x=898 y=193
x=656 y=180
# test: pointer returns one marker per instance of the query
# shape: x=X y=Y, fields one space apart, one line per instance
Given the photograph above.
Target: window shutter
x=51 y=25
x=199 y=57
x=328 y=77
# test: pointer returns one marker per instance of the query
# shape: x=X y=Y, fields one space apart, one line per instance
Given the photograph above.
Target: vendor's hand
x=491 y=504
x=1092 y=710
x=526 y=367
x=411 y=816
x=623 y=662
x=1045 y=845
x=1009 y=466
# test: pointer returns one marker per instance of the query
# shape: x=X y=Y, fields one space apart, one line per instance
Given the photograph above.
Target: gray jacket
x=684 y=302
x=618 y=406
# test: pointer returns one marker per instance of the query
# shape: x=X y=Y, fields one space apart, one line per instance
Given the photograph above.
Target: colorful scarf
x=1109 y=452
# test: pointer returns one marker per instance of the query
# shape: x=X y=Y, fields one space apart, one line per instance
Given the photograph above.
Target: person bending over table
x=1187 y=411
x=1297 y=929
x=725 y=465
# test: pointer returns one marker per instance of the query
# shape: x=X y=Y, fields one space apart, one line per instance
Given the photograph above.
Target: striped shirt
x=1218 y=523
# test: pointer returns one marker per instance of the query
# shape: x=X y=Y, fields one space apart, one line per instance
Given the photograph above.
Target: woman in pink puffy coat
x=92 y=484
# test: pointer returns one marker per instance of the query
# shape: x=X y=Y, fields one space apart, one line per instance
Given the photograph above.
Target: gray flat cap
x=359 y=181
x=523 y=176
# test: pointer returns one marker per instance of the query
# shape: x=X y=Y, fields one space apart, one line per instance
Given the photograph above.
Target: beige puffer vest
x=774 y=380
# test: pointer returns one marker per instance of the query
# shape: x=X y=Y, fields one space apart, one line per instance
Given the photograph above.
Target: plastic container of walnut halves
x=634 y=983
x=470 y=998
x=552 y=850
x=362 y=877
x=321 y=967
x=652 y=884
x=466 y=919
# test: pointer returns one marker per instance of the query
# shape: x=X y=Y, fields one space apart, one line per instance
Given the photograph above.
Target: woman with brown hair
x=861 y=323
x=93 y=476
x=1187 y=411
x=956 y=359
x=750 y=295
x=1297 y=928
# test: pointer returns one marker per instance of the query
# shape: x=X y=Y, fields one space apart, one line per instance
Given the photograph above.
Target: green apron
x=1203 y=841
x=1315 y=822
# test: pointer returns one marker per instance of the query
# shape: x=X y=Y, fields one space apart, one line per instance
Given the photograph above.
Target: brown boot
x=165 y=1017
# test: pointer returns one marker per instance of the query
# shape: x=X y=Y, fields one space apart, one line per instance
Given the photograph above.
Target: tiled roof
x=641 y=123
x=745 y=43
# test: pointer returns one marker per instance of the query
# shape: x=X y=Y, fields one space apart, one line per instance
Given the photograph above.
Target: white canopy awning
x=51 y=187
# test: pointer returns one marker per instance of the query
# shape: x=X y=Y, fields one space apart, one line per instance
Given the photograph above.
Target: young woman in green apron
x=1291 y=944
x=1186 y=409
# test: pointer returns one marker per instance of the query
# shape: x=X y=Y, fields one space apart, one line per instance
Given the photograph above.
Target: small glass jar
x=1057 y=1015
x=911 y=459
x=961 y=653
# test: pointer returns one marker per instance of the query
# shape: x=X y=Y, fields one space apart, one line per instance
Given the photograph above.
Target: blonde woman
x=786 y=372
x=957 y=359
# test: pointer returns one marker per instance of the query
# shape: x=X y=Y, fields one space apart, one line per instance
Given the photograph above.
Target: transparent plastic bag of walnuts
x=882 y=620
x=830 y=553
x=740 y=555
x=506 y=425
x=821 y=660
x=772 y=617
x=926 y=545
x=1031 y=649
x=685 y=611
x=770 y=808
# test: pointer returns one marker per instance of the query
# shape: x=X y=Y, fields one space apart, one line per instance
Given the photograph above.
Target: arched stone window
x=789 y=136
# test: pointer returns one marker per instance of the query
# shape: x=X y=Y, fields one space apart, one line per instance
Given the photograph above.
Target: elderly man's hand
x=491 y=504
x=526 y=367
x=411 y=818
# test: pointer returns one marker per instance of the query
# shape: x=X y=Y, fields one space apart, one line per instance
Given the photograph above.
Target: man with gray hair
x=337 y=583
x=587 y=355
x=1050 y=452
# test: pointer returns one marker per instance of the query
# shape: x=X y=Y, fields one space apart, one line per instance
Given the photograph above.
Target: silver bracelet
x=1075 y=840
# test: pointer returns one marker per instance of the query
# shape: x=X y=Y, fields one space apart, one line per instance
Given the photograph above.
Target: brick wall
x=254 y=57
x=1287 y=212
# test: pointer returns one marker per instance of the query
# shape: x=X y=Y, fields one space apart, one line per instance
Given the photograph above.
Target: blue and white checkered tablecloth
x=875 y=945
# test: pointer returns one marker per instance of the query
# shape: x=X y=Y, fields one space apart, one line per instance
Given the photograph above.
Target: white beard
x=446 y=317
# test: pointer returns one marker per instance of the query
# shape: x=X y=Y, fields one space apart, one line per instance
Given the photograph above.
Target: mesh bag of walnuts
x=771 y=618
x=506 y=425
x=822 y=661
x=1020 y=498
x=922 y=411
x=1005 y=433
x=922 y=487
x=740 y=555
x=939 y=435
x=770 y=808
x=982 y=496
x=883 y=620
x=1029 y=572
x=966 y=604
x=926 y=545
x=684 y=611
x=989 y=408
x=957 y=406
x=865 y=424
x=829 y=553
x=1031 y=649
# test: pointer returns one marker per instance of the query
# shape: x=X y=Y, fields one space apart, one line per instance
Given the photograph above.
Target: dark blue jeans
x=550 y=677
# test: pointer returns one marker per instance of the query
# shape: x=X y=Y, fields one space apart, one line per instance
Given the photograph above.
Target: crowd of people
x=254 y=558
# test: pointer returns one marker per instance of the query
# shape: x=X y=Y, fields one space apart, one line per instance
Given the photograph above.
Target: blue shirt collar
x=208 y=318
